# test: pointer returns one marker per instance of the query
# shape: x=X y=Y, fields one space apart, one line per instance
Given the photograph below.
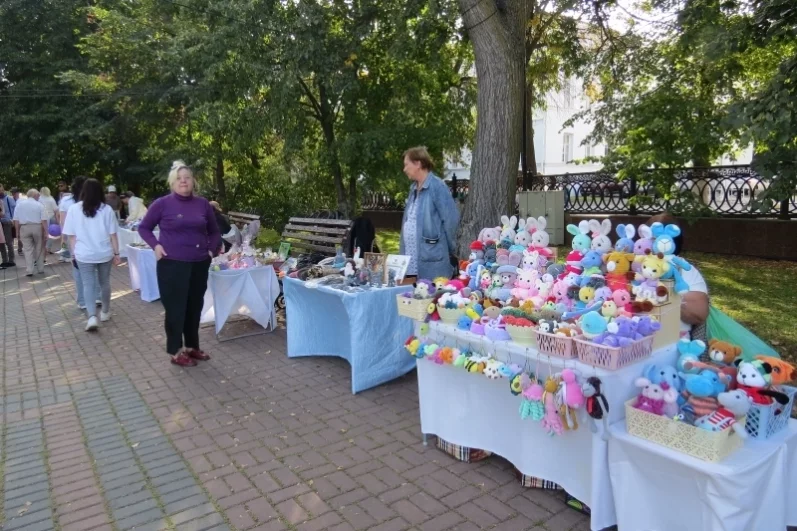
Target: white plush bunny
x=523 y=236
x=600 y=235
x=508 y=228
x=540 y=238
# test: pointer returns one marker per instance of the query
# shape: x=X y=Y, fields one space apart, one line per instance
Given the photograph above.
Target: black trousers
x=182 y=288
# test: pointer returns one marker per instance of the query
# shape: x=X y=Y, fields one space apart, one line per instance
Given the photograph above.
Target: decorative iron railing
x=729 y=191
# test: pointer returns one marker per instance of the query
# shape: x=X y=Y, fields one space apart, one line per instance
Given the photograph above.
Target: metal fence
x=728 y=191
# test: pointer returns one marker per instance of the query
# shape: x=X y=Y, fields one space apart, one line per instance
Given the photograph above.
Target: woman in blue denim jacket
x=429 y=227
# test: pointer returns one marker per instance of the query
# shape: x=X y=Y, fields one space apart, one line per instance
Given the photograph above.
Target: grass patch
x=760 y=294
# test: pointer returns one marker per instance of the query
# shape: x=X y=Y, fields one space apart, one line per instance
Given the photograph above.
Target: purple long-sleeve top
x=188 y=228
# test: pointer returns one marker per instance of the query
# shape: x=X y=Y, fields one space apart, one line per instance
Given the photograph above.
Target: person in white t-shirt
x=91 y=227
x=694 y=303
x=135 y=207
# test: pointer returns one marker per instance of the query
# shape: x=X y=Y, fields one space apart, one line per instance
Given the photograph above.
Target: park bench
x=241 y=218
x=307 y=235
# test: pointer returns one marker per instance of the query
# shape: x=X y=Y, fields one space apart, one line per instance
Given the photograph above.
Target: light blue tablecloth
x=363 y=328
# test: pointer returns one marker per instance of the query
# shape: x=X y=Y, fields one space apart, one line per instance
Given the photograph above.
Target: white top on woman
x=50 y=206
x=92 y=235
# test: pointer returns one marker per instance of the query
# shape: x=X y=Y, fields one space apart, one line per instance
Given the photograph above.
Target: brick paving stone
x=250 y=437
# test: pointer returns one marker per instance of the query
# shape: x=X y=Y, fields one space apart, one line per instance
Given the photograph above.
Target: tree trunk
x=531 y=158
x=352 y=196
x=496 y=30
x=328 y=128
x=219 y=174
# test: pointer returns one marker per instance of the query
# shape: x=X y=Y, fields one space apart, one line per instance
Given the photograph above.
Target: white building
x=559 y=149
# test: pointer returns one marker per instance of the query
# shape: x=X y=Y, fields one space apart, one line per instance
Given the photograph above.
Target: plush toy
x=491 y=234
x=625 y=241
x=540 y=239
x=734 y=406
x=664 y=243
x=489 y=253
x=700 y=392
x=649 y=288
x=493 y=369
x=755 y=378
x=476 y=251
x=642 y=246
x=464 y=322
x=523 y=235
x=571 y=390
x=532 y=406
x=722 y=352
x=654 y=397
x=508 y=226
x=413 y=346
x=591 y=263
x=596 y=404
x=782 y=371
x=551 y=422
x=618 y=269
x=475 y=365
x=689 y=351
x=592 y=325
x=423 y=289
x=622 y=298
x=647 y=325
x=461 y=358
x=600 y=235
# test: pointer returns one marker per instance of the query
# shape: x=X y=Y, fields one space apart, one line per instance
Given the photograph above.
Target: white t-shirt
x=50 y=206
x=136 y=208
x=29 y=212
x=92 y=235
x=697 y=283
x=66 y=202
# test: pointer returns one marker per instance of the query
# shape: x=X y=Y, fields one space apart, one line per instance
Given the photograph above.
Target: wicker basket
x=555 y=345
x=612 y=358
x=450 y=315
x=413 y=308
x=680 y=436
x=765 y=421
x=522 y=335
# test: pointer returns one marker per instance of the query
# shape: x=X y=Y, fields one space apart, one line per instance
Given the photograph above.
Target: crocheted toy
x=532 y=406
x=476 y=251
x=654 y=397
x=664 y=243
x=413 y=346
x=491 y=234
x=519 y=382
x=493 y=369
x=600 y=235
x=782 y=371
x=649 y=288
x=423 y=289
x=689 y=351
x=722 y=352
x=551 y=422
x=475 y=365
x=591 y=263
x=642 y=246
x=508 y=226
x=700 y=392
x=735 y=405
x=571 y=398
x=523 y=235
x=625 y=241
x=596 y=404
x=754 y=378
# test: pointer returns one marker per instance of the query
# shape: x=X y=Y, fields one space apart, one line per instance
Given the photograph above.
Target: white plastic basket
x=765 y=421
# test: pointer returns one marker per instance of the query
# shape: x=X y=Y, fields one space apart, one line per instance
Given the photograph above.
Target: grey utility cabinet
x=551 y=205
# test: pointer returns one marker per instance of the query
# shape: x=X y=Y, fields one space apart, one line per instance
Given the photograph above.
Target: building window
x=567 y=147
x=589 y=150
x=568 y=93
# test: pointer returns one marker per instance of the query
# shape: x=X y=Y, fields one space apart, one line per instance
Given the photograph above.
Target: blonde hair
x=178 y=165
x=420 y=154
x=45 y=191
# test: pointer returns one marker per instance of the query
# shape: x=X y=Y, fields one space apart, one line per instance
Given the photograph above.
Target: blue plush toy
x=704 y=383
x=689 y=351
x=665 y=243
x=464 y=322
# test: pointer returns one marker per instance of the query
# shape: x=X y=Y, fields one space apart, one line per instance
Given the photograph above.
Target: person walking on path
x=7 y=250
x=91 y=226
x=67 y=201
x=30 y=222
x=189 y=237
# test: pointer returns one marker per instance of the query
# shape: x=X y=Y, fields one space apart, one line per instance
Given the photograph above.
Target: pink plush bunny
x=642 y=246
x=574 y=397
x=654 y=397
x=524 y=284
x=551 y=422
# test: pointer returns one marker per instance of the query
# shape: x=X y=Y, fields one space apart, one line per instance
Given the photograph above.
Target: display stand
x=362 y=328
x=128 y=237
x=660 y=489
x=248 y=292
x=473 y=411
x=142 y=266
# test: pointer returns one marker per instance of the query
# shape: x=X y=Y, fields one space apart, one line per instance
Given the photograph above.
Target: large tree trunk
x=496 y=29
x=328 y=127
x=528 y=149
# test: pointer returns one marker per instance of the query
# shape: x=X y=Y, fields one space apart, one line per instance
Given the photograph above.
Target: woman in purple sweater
x=188 y=239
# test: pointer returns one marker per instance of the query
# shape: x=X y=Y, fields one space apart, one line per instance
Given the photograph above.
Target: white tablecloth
x=754 y=488
x=251 y=292
x=143 y=272
x=476 y=412
x=127 y=237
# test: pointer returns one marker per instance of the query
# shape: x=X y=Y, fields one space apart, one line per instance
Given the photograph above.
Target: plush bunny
x=540 y=239
x=664 y=243
x=642 y=246
x=625 y=243
x=508 y=226
x=600 y=235
x=581 y=240
x=490 y=234
x=523 y=236
x=654 y=397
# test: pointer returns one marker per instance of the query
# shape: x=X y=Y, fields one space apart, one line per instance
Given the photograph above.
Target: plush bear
x=654 y=398
x=734 y=405
x=689 y=351
x=722 y=352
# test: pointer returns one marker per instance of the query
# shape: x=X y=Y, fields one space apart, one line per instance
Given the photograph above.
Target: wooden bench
x=315 y=234
x=241 y=219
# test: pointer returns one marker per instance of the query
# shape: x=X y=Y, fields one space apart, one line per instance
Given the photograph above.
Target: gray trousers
x=89 y=274
x=31 y=236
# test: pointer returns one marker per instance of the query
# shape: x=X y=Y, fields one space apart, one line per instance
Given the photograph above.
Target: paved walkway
x=101 y=432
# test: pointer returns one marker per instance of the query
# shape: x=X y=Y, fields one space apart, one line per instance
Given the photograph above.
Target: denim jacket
x=438 y=219
x=8 y=208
